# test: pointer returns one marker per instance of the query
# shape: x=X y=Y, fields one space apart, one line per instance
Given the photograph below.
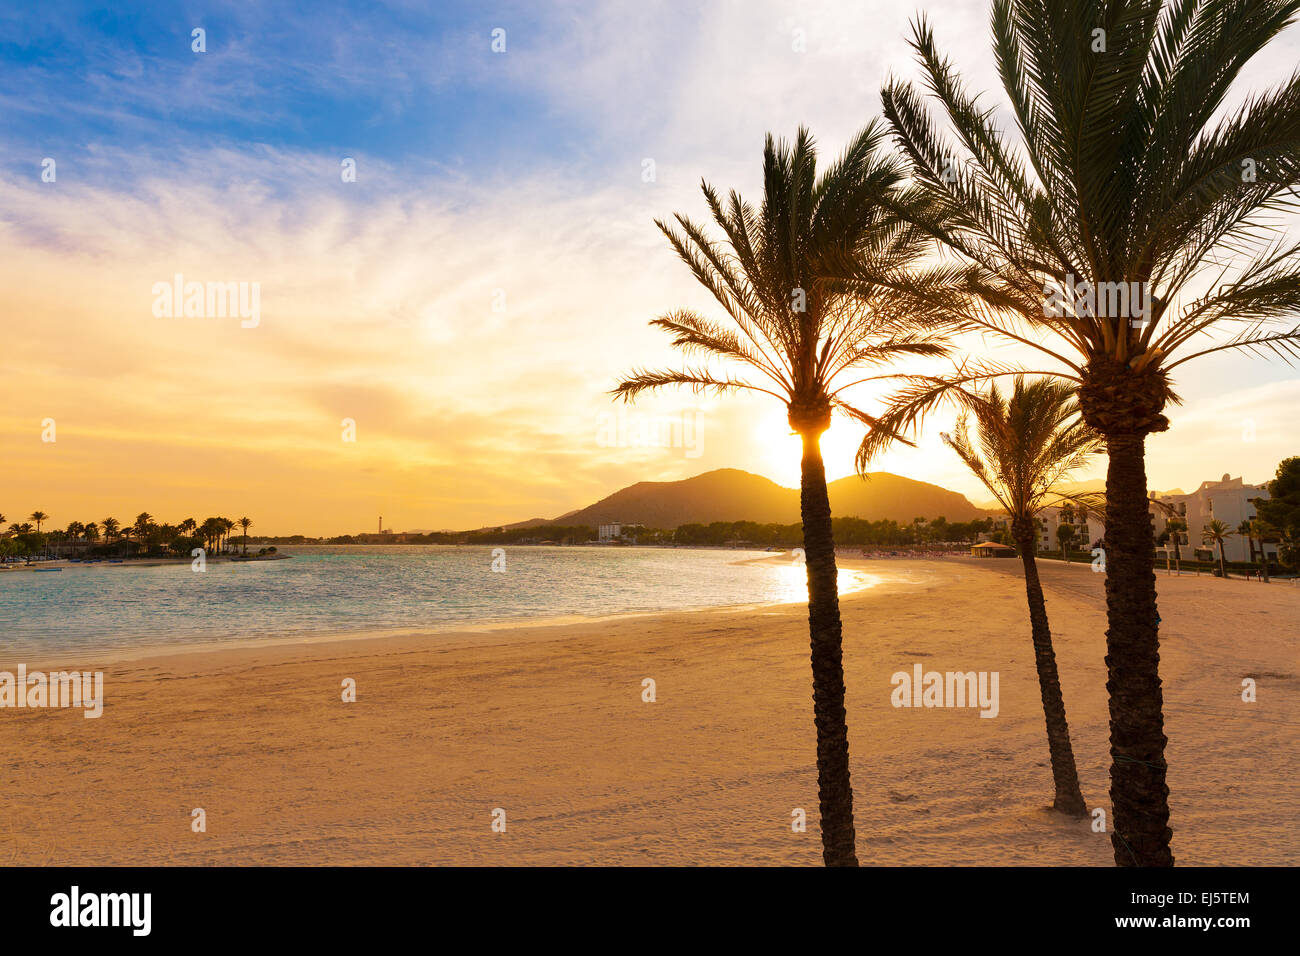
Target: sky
x=435 y=337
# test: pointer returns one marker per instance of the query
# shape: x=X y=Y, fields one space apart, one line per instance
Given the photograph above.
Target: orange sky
x=469 y=321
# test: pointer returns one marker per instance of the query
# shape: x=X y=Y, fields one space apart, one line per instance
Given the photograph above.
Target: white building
x=608 y=532
x=1230 y=501
x=1087 y=531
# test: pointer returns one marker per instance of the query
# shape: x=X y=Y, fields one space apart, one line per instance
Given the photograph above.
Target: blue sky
x=413 y=86
x=482 y=178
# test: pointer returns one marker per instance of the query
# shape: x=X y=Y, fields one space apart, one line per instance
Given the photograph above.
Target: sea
x=321 y=590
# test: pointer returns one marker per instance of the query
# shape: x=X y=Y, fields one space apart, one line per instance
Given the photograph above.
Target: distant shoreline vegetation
x=848 y=532
x=110 y=539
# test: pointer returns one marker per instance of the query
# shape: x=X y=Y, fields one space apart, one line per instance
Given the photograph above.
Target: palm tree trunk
x=1223 y=565
x=1138 y=790
x=1069 y=799
x=834 y=790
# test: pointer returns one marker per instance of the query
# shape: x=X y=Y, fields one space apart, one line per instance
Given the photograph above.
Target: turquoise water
x=322 y=590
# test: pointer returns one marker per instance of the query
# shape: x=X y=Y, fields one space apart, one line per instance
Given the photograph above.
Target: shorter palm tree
x=1027 y=443
x=245 y=523
x=1217 y=533
x=110 y=526
x=38 y=517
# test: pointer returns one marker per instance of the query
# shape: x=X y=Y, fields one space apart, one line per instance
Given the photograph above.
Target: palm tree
x=1065 y=535
x=245 y=523
x=1262 y=529
x=90 y=531
x=211 y=531
x=110 y=526
x=1248 y=532
x=1027 y=443
x=1120 y=234
x=227 y=525
x=1177 y=527
x=38 y=517
x=1217 y=532
x=805 y=339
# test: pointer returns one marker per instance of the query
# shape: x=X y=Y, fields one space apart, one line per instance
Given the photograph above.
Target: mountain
x=729 y=494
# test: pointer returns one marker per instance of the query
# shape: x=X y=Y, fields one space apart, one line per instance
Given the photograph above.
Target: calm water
x=322 y=590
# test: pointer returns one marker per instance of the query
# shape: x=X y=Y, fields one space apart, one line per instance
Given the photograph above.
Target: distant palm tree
x=1177 y=527
x=1248 y=532
x=805 y=339
x=1123 y=228
x=1027 y=443
x=227 y=525
x=1263 y=531
x=210 y=530
x=1065 y=535
x=110 y=526
x=90 y=531
x=1217 y=532
x=245 y=523
x=38 y=517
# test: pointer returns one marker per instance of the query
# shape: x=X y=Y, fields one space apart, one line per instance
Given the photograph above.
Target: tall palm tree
x=38 y=517
x=110 y=526
x=245 y=523
x=227 y=525
x=1120 y=232
x=805 y=340
x=1027 y=443
x=1217 y=532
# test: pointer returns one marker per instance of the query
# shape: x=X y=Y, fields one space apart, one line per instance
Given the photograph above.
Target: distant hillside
x=729 y=494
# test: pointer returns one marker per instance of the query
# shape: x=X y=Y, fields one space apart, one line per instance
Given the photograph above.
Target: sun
x=783 y=449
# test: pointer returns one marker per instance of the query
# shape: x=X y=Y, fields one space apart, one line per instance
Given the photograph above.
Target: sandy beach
x=548 y=723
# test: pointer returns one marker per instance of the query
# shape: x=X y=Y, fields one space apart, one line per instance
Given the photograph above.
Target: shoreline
x=452 y=634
